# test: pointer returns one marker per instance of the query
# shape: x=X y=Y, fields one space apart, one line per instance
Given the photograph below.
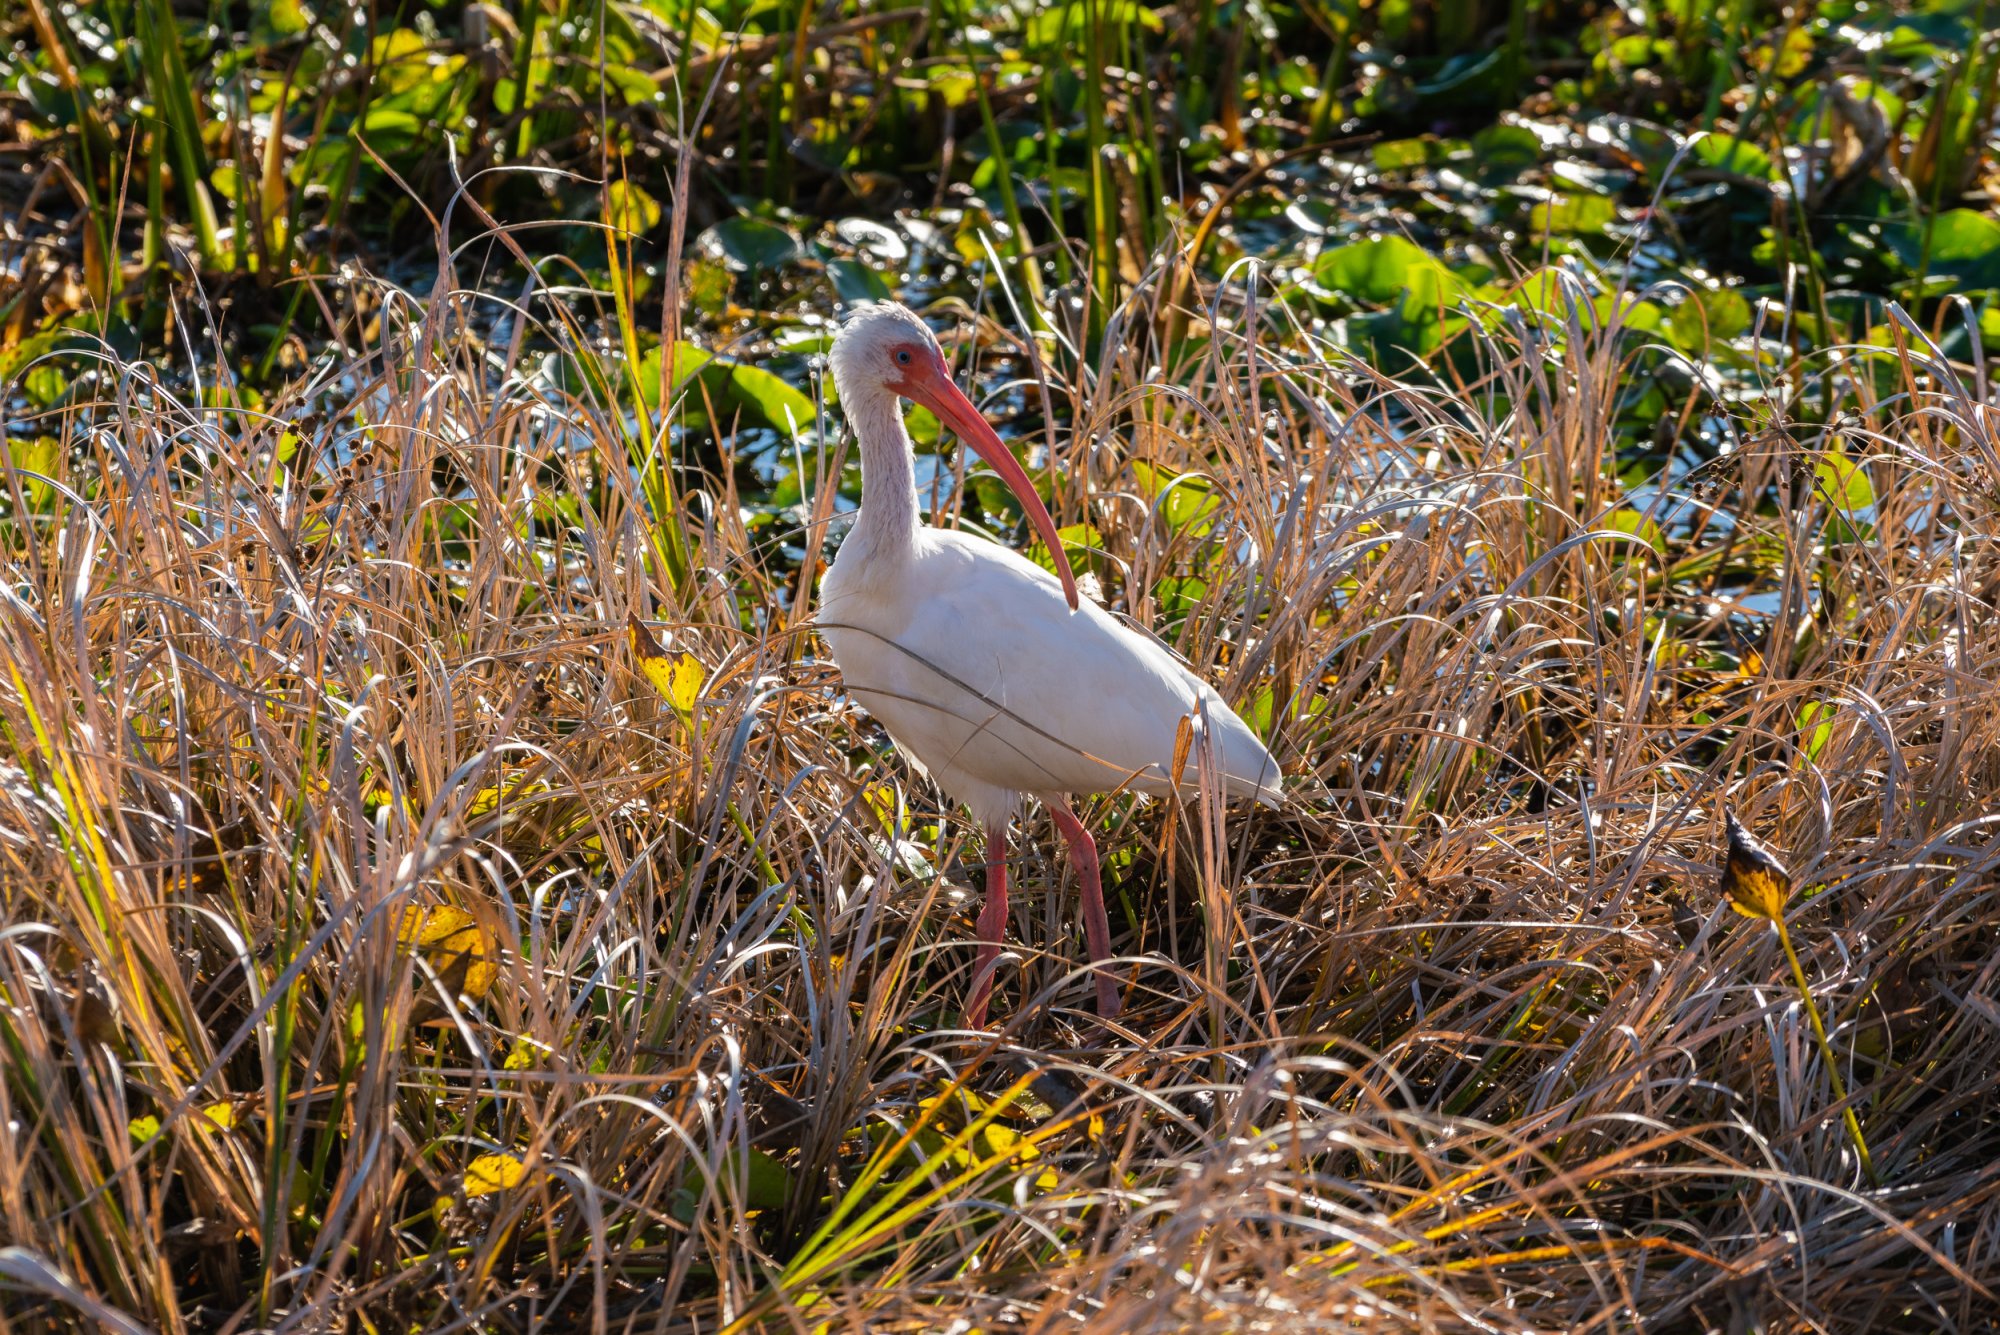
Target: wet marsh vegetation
x=443 y=887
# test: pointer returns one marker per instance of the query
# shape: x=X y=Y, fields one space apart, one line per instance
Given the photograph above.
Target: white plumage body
x=992 y=674
x=970 y=656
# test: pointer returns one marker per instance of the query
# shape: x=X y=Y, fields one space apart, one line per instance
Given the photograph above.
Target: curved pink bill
x=935 y=391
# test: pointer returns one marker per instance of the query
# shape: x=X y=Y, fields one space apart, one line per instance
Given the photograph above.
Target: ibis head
x=885 y=351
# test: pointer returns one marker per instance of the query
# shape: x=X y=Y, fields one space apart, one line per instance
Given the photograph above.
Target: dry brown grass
x=1427 y=1049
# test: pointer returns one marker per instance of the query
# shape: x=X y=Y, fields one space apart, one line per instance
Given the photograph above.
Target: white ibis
x=989 y=673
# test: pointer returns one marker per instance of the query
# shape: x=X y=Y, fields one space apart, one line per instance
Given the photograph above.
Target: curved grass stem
x=1826 y=1053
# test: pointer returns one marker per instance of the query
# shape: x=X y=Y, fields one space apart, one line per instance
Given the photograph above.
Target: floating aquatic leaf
x=1404 y=154
x=487 y=1175
x=732 y=390
x=872 y=238
x=706 y=283
x=767 y=1183
x=1382 y=272
x=1963 y=244
x=753 y=245
x=1506 y=150
x=1573 y=214
x=1741 y=158
x=1706 y=317
x=854 y=281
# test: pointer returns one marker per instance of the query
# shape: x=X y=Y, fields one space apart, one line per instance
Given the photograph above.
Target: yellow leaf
x=1756 y=883
x=880 y=799
x=678 y=679
x=453 y=945
x=511 y=790
x=493 y=1172
x=221 y=1116
x=630 y=209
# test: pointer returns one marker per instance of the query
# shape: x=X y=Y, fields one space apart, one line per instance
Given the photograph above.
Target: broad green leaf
x=1625 y=519
x=1744 y=159
x=1381 y=272
x=1573 y=214
x=1178 y=595
x=767 y=1184
x=753 y=245
x=1506 y=150
x=635 y=85
x=854 y=281
x=1964 y=244
x=1403 y=154
x=41 y=456
x=735 y=390
x=388 y=130
x=45 y=384
x=288 y=18
x=707 y=285
x=1843 y=482
x=1187 y=502
x=1706 y=317
x=1791 y=57
x=1056 y=24
x=1078 y=540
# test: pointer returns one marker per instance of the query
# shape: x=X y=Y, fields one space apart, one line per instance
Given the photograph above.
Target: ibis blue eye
x=903 y=356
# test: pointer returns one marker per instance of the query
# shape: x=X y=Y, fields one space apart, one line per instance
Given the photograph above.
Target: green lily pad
x=1506 y=150
x=1383 y=272
x=1709 y=317
x=753 y=245
x=1573 y=214
x=1964 y=244
x=854 y=281
x=731 y=391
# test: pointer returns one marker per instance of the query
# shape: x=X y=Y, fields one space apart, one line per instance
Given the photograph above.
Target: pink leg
x=1096 y=926
x=992 y=925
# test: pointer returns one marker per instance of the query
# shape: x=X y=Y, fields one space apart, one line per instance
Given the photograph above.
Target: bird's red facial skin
x=923 y=378
x=908 y=364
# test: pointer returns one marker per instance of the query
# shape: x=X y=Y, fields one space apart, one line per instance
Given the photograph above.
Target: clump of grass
x=1425 y=1048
